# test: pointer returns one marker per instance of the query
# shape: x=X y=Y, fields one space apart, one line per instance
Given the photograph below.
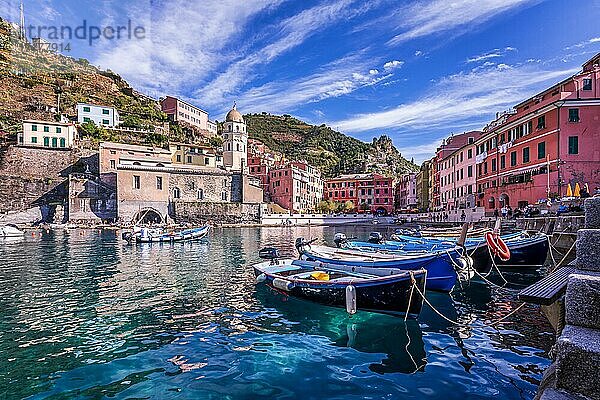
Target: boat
x=440 y=264
x=382 y=290
x=10 y=231
x=150 y=235
x=526 y=249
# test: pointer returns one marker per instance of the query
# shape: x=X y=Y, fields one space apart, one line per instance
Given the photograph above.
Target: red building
x=545 y=143
x=296 y=186
x=369 y=192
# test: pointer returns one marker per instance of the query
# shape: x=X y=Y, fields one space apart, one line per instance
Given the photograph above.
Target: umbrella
x=577 y=190
x=569 y=191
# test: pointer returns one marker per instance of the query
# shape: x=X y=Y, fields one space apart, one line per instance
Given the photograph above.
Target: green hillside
x=333 y=152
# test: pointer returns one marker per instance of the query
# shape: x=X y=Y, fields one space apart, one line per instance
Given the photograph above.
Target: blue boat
x=441 y=273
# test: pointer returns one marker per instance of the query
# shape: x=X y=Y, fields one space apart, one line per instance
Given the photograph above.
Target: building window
x=136 y=182
x=46 y=141
x=224 y=196
x=493 y=164
x=105 y=111
x=159 y=183
x=113 y=164
x=485 y=167
x=58 y=130
x=33 y=139
x=200 y=194
x=46 y=129
x=513 y=158
x=207 y=161
x=573 y=114
x=541 y=150
x=86 y=109
x=526 y=155
x=63 y=142
x=54 y=142
x=179 y=158
x=189 y=159
x=34 y=128
x=587 y=84
x=541 y=122
x=470 y=153
x=105 y=122
x=176 y=193
x=469 y=171
x=573 y=145
x=86 y=119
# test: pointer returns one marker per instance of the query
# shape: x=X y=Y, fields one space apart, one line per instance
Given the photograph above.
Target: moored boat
x=440 y=265
x=383 y=290
x=10 y=231
x=149 y=235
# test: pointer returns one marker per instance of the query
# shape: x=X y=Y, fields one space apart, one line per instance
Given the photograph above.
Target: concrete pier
x=575 y=373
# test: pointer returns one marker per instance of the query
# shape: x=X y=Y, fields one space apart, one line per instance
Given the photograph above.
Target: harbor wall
x=38 y=177
x=197 y=213
x=319 y=219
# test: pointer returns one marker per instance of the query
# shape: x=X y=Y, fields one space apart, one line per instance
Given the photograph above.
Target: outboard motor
x=339 y=239
x=375 y=237
x=269 y=253
x=302 y=245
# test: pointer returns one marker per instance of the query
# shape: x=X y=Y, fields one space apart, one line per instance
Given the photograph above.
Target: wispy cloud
x=436 y=17
x=466 y=97
x=292 y=32
x=584 y=43
x=496 y=53
x=185 y=41
x=335 y=79
x=391 y=65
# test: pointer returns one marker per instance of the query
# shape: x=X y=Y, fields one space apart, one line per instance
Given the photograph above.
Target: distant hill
x=333 y=152
x=32 y=80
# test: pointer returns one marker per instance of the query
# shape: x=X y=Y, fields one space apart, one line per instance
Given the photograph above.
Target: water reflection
x=84 y=315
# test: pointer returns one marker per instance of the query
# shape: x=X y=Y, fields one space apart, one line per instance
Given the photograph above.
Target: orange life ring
x=497 y=246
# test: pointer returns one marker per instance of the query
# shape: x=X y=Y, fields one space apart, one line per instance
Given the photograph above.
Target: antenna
x=22 y=22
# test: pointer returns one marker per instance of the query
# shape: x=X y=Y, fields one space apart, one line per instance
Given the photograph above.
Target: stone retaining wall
x=218 y=213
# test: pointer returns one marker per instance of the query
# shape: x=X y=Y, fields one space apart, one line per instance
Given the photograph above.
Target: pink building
x=179 y=110
x=296 y=186
x=545 y=143
x=369 y=192
x=457 y=172
x=406 y=192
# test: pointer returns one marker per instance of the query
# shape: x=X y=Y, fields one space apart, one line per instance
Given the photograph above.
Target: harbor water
x=83 y=315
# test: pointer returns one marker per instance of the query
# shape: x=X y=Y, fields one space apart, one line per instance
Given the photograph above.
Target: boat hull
x=441 y=275
x=185 y=235
x=387 y=295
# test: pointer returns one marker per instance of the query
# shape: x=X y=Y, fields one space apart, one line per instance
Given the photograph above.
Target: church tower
x=235 y=141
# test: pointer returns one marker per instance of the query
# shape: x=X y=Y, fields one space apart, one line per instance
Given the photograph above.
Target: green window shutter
x=58 y=130
x=86 y=119
x=541 y=150
x=46 y=141
x=86 y=109
x=46 y=129
x=63 y=142
x=105 y=121
x=34 y=128
x=513 y=158
x=573 y=145
x=105 y=112
x=54 y=142
x=526 y=155
x=33 y=139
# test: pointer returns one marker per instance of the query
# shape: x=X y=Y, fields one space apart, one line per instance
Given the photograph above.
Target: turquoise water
x=84 y=316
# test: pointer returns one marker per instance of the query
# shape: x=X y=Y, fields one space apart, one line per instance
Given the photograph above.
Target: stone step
x=577 y=361
x=588 y=249
x=582 y=302
x=592 y=212
x=553 y=394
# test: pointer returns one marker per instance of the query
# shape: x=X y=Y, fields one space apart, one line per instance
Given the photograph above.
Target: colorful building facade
x=296 y=186
x=545 y=144
x=368 y=192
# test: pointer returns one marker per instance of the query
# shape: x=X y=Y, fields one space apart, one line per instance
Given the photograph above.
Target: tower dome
x=234 y=115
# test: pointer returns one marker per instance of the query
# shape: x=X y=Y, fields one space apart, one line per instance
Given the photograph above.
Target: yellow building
x=49 y=134
x=193 y=155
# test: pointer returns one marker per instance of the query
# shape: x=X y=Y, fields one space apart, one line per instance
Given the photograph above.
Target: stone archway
x=147 y=216
x=504 y=200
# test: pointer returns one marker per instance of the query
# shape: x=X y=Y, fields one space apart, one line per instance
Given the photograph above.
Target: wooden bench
x=550 y=288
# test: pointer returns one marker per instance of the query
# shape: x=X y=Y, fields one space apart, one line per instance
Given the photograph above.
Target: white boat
x=10 y=231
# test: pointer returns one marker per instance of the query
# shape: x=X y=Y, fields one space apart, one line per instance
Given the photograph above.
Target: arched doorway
x=504 y=200
x=147 y=216
x=492 y=203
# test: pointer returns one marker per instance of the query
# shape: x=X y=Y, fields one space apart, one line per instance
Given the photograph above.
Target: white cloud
x=373 y=72
x=390 y=65
x=584 y=43
x=185 y=41
x=435 y=17
x=483 y=57
x=292 y=32
x=335 y=79
x=460 y=98
x=418 y=53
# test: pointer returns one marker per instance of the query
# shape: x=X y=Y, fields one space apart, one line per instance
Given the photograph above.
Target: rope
x=413 y=283
x=508 y=315
x=556 y=266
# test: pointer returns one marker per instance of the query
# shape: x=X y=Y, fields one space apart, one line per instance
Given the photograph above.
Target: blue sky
x=414 y=70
